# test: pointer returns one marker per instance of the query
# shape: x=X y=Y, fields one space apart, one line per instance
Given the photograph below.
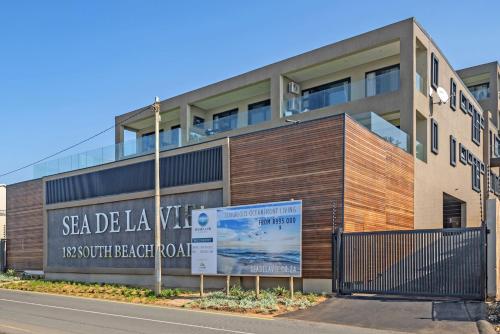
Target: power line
x=74 y=145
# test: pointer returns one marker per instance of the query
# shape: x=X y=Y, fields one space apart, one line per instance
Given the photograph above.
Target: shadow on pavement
x=412 y=315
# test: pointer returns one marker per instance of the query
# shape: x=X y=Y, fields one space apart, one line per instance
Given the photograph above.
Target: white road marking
x=127 y=317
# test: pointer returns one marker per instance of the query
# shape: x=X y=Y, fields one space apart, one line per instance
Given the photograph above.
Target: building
x=355 y=129
x=2 y=211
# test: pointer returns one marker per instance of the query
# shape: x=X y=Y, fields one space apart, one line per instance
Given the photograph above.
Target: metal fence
x=444 y=262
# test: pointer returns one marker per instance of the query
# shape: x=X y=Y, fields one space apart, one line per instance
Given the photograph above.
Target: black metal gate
x=444 y=262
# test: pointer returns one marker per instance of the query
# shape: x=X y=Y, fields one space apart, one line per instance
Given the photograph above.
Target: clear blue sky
x=68 y=67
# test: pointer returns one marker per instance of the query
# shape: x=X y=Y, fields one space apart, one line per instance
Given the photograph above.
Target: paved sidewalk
x=397 y=314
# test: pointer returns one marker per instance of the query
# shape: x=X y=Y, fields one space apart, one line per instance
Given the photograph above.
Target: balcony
x=480 y=92
x=344 y=91
x=140 y=146
x=420 y=83
x=235 y=119
x=383 y=129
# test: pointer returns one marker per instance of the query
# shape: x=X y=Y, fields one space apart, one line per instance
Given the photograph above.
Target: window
x=224 y=121
x=476 y=175
x=382 y=80
x=175 y=135
x=434 y=137
x=497 y=146
x=463 y=154
x=480 y=92
x=453 y=95
x=470 y=109
x=198 y=122
x=148 y=141
x=490 y=138
x=434 y=71
x=259 y=112
x=476 y=127
x=453 y=151
x=464 y=103
x=329 y=94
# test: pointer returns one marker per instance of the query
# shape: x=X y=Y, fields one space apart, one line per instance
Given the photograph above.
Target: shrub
x=11 y=272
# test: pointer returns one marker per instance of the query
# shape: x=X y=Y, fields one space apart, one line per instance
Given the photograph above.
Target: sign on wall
x=261 y=239
x=121 y=234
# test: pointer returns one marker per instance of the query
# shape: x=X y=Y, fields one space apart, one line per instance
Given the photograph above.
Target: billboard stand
x=257 y=286
x=201 y=285
x=228 y=280
x=291 y=287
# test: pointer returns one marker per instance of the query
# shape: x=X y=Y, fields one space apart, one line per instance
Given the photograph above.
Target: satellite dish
x=443 y=95
x=430 y=91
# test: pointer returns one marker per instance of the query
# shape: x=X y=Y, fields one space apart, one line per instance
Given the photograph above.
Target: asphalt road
x=27 y=312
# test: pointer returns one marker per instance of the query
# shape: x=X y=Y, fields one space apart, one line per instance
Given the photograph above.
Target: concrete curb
x=484 y=327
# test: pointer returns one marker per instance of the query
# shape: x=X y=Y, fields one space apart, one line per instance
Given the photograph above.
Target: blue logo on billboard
x=203 y=219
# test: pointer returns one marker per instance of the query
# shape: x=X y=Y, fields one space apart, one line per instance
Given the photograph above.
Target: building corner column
x=276 y=97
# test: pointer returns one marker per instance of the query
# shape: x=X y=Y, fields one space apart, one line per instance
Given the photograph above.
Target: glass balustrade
x=168 y=140
x=420 y=83
x=420 y=150
x=203 y=130
x=343 y=93
x=146 y=145
x=383 y=129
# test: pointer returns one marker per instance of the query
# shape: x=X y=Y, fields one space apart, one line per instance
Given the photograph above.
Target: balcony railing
x=240 y=120
x=383 y=129
x=420 y=83
x=420 y=150
x=480 y=93
x=348 y=92
x=170 y=139
x=137 y=147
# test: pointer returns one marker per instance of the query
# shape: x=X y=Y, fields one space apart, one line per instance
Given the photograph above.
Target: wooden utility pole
x=156 y=107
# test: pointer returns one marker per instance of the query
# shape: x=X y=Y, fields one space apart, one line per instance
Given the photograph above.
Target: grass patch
x=272 y=301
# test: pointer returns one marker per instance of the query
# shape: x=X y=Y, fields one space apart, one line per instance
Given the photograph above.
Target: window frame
x=227 y=113
x=476 y=175
x=463 y=154
x=434 y=71
x=453 y=95
x=323 y=87
x=256 y=106
x=476 y=126
x=398 y=66
x=197 y=121
x=453 y=151
x=464 y=102
x=434 y=136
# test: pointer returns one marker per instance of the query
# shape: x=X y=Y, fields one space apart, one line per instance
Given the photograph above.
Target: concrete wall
x=493 y=255
x=437 y=176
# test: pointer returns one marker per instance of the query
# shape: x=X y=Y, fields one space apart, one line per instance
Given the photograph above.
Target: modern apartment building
x=355 y=129
x=393 y=72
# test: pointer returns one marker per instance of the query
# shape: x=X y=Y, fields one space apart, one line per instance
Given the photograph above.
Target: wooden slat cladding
x=378 y=183
x=25 y=225
x=300 y=161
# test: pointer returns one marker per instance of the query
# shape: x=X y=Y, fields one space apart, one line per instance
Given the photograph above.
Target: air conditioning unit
x=293 y=88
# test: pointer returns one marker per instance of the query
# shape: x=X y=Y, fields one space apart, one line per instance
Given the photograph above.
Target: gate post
x=339 y=260
x=484 y=252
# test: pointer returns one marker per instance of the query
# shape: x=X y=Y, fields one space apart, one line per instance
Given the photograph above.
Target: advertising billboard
x=248 y=240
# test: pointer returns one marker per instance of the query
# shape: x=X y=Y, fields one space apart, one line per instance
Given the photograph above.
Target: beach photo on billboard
x=267 y=244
